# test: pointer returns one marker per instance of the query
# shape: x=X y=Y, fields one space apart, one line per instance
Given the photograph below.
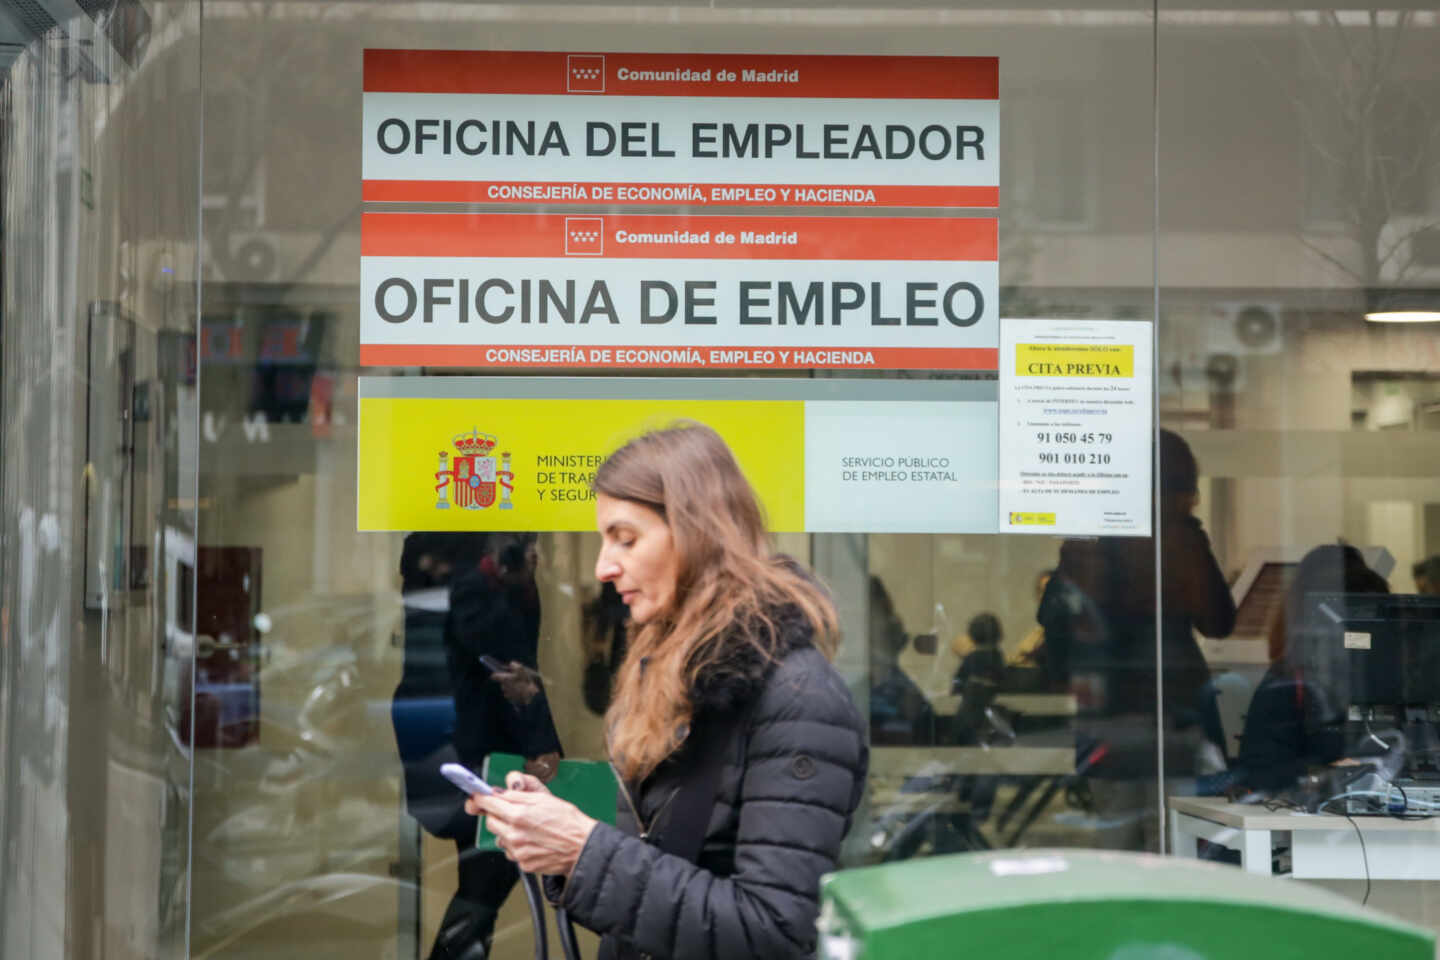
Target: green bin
x=1096 y=905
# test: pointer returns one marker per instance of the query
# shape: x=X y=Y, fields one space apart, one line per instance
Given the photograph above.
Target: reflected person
x=1427 y=576
x=423 y=709
x=494 y=612
x=603 y=627
x=1033 y=668
x=900 y=713
x=1100 y=617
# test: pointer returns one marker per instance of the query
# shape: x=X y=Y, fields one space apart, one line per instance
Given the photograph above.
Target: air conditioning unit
x=1408 y=250
x=1208 y=348
x=1241 y=327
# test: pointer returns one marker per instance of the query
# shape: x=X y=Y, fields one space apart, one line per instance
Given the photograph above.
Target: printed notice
x=488 y=126
x=1076 y=427
x=627 y=291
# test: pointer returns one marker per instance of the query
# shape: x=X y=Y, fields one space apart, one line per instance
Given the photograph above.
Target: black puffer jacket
x=783 y=806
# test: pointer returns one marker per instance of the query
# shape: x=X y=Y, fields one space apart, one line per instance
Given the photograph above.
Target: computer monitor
x=1371 y=649
x=1418 y=618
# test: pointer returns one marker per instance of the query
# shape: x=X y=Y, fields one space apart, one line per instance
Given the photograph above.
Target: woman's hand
x=514 y=780
x=536 y=829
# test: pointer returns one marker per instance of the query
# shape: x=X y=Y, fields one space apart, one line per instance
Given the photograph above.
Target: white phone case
x=464 y=778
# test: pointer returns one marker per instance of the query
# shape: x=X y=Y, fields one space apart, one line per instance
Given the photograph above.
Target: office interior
x=181 y=257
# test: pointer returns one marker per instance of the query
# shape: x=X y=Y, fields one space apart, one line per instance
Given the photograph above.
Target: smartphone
x=463 y=778
x=492 y=664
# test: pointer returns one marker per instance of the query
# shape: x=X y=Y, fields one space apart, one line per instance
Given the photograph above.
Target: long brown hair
x=729 y=588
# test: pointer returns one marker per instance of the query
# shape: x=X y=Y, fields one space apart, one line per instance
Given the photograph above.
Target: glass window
x=225 y=705
x=974 y=729
x=1282 y=249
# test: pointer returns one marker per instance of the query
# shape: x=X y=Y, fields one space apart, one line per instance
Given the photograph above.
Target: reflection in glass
x=97 y=506
x=1101 y=616
x=471 y=687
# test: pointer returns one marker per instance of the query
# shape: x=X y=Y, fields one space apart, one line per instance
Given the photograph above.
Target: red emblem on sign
x=585 y=73
x=584 y=236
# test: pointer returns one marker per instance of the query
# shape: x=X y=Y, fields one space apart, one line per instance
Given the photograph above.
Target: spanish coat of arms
x=472 y=477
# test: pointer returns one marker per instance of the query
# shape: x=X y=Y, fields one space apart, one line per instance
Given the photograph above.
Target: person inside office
x=1294 y=723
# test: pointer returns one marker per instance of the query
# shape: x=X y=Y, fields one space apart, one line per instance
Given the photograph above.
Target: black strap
x=683 y=832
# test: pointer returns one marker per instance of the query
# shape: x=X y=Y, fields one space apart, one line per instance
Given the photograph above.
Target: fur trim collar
x=739 y=675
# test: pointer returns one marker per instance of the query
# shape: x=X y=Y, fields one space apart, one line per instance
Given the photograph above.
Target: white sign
x=615 y=128
x=1355 y=640
x=1028 y=866
x=520 y=290
x=1076 y=427
x=900 y=467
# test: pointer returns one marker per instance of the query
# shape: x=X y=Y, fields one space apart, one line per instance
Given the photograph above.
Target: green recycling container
x=1096 y=905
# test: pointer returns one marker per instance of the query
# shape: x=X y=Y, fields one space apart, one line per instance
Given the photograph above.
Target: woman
x=740 y=754
x=1294 y=722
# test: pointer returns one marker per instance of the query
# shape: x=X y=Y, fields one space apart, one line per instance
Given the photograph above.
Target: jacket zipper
x=635 y=811
x=656 y=819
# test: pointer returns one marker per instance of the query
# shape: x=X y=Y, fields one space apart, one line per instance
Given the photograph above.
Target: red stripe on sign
x=722 y=358
x=663 y=74
x=722 y=194
x=674 y=237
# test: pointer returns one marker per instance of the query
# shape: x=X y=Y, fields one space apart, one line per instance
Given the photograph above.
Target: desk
x=997 y=761
x=1033 y=704
x=1322 y=846
x=894 y=770
x=1039 y=704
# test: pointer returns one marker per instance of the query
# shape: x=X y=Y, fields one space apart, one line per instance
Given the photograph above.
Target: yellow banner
x=503 y=464
x=1075 y=360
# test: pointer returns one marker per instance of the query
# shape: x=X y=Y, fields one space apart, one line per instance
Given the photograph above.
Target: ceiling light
x=1402 y=305
x=1404 y=316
